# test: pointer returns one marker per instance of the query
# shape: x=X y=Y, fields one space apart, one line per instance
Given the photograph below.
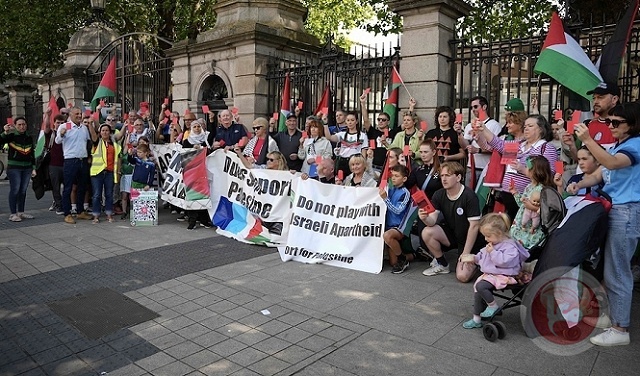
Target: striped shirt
x=539 y=148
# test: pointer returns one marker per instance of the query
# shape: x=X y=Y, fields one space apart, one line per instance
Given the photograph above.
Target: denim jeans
x=622 y=240
x=18 y=183
x=75 y=171
x=100 y=182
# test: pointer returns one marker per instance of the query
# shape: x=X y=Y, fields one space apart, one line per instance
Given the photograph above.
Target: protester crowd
x=465 y=170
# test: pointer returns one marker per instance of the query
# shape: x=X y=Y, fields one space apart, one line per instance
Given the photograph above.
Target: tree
x=505 y=19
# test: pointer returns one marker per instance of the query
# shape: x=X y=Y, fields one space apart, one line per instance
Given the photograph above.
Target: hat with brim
x=291 y=115
x=605 y=88
x=515 y=104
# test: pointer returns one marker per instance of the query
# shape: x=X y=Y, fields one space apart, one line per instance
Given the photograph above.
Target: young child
x=539 y=171
x=532 y=216
x=500 y=262
x=397 y=201
x=144 y=169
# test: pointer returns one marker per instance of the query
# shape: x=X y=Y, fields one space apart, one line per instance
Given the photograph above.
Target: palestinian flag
x=613 y=52
x=562 y=59
x=40 y=144
x=285 y=107
x=194 y=175
x=325 y=101
x=391 y=97
x=107 y=86
x=235 y=221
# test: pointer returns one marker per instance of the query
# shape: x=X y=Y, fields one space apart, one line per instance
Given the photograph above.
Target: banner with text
x=250 y=205
x=335 y=225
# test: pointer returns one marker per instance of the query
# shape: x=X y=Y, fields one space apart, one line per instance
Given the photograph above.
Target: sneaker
x=436 y=269
x=59 y=211
x=25 y=216
x=611 y=337
x=53 y=206
x=117 y=210
x=471 y=324
x=601 y=322
x=174 y=211
x=15 y=218
x=400 y=267
x=84 y=215
x=182 y=218
x=206 y=225
x=424 y=255
x=166 y=205
x=192 y=226
x=489 y=311
x=74 y=211
x=69 y=219
x=635 y=270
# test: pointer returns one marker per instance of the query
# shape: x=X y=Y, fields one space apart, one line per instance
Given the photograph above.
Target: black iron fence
x=501 y=70
x=33 y=113
x=347 y=74
x=143 y=72
x=5 y=108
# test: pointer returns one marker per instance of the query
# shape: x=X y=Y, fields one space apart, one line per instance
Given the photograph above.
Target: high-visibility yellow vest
x=99 y=160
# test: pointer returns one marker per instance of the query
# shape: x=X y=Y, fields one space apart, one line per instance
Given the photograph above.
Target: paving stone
x=294 y=354
x=316 y=343
x=222 y=306
x=216 y=322
x=192 y=331
x=194 y=294
x=222 y=367
x=314 y=326
x=187 y=307
x=271 y=345
x=247 y=356
x=233 y=329
x=209 y=339
x=293 y=335
x=237 y=313
x=245 y=372
x=128 y=370
x=251 y=337
x=167 y=341
x=269 y=366
x=201 y=359
x=201 y=314
x=335 y=333
x=227 y=347
x=177 y=323
x=53 y=354
x=183 y=349
x=273 y=327
x=173 y=369
x=155 y=361
x=69 y=366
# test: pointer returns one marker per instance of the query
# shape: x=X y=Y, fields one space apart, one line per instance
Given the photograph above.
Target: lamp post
x=98 y=7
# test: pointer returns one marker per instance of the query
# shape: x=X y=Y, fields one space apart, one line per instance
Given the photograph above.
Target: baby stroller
x=570 y=239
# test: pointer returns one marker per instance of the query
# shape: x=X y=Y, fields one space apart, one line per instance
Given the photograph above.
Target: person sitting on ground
x=500 y=262
x=398 y=204
x=460 y=211
x=360 y=176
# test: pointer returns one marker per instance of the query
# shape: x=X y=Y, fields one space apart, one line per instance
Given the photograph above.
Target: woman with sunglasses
x=620 y=172
x=316 y=145
x=199 y=138
x=537 y=133
x=260 y=144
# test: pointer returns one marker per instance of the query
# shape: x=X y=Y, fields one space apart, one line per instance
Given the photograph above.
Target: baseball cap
x=514 y=104
x=291 y=115
x=605 y=88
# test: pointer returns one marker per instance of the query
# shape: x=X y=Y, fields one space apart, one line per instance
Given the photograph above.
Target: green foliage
x=505 y=19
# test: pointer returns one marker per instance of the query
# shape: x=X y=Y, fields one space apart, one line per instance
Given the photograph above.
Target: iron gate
x=346 y=73
x=143 y=72
x=33 y=114
x=501 y=70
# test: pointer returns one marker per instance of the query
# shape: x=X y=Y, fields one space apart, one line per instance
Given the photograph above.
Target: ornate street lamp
x=98 y=8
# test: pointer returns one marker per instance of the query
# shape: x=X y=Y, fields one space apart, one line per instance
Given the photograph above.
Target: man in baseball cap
x=605 y=97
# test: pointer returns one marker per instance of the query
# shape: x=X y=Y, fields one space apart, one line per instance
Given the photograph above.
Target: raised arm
x=366 y=122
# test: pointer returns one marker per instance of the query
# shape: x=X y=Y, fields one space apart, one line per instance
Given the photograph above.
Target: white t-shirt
x=349 y=144
x=481 y=159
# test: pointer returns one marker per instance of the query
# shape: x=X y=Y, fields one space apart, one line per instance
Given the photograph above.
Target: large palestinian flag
x=107 y=86
x=562 y=59
x=391 y=97
x=194 y=175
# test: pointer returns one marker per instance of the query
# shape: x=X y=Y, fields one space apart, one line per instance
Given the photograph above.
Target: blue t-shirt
x=231 y=135
x=622 y=184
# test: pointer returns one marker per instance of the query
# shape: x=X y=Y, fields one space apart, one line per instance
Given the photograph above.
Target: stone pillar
x=237 y=50
x=17 y=94
x=424 y=67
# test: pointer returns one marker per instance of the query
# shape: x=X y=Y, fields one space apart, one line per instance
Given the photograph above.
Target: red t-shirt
x=600 y=132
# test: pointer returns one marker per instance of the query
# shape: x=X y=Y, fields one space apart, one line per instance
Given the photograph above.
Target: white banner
x=335 y=225
x=250 y=205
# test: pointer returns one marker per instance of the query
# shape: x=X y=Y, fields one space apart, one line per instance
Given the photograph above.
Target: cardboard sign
x=406 y=150
x=372 y=144
x=186 y=112
x=575 y=119
x=275 y=115
x=318 y=159
x=205 y=109
x=125 y=117
x=144 y=105
x=87 y=112
x=96 y=117
x=459 y=118
x=304 y=134
x=10 y=120
x=300 y=103
x=222 y=143
x=166 y=101
x=424 y=126
x=340 y=175
x=422 y=201
x=386 y=133
x=130 y=128
x=482 y=114
x=69 y=104
x=510 y=153
x=557 y=114
x=241 y=142
x=366 y=91
x=167 y=113
x=559 y=167
x=234 y=110
x=174 y=121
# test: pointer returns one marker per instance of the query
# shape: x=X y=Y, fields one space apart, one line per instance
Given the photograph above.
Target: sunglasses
x=257 y=128
x=382 y=119
x=614 y=122
x=475 y=106
x=109 y=119
x=196 y=126
x=271 y=160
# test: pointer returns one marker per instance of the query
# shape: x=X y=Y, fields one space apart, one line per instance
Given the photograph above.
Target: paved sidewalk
x=229 y=308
